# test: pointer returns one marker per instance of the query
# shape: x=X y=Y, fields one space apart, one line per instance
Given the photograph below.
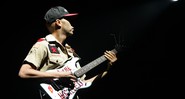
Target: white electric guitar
x=56 y=89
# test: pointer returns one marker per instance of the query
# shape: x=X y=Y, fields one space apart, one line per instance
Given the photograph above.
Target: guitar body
x=64 y=92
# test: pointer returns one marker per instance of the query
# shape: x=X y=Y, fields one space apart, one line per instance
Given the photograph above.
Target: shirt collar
x=51 y=38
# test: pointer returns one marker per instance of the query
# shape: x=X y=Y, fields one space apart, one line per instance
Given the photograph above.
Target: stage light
x=174 y=0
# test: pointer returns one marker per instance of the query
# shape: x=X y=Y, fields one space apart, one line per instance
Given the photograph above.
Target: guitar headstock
x=118 y=47
x=118 y=44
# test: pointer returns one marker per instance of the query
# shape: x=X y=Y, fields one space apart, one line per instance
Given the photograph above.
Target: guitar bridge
x=56 y=85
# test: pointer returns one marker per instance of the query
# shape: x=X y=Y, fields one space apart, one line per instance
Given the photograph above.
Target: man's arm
x=28 y=71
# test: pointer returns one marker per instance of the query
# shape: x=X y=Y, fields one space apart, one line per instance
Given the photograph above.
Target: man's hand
x=111 y=56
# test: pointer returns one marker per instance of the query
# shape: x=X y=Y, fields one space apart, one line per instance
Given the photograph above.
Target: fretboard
x=91 y=65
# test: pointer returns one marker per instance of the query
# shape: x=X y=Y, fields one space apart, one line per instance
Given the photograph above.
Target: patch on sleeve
x=53 y=49
x=40 y=39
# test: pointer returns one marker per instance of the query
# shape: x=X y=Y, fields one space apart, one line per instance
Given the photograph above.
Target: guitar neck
x=91 y=65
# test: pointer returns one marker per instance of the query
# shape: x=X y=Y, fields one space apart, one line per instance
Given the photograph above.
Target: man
x=51 y=53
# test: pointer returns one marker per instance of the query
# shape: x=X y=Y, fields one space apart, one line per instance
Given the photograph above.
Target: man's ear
x=58 y=22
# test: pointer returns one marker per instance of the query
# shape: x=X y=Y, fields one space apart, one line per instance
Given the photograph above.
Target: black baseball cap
x=57 y=12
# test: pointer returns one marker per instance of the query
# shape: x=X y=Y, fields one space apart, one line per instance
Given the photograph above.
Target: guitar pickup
x=56 y=85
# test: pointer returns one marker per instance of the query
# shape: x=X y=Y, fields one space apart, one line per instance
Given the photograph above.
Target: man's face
x=67 y=27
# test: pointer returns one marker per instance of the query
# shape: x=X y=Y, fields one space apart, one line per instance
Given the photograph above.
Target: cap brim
x=71 y=14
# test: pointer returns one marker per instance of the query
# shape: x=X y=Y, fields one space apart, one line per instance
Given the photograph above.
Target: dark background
x=146 y=67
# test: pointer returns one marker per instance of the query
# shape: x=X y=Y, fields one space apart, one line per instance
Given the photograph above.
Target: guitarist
x=51 y=52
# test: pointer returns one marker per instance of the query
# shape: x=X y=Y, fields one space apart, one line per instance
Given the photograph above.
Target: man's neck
x=59 y=37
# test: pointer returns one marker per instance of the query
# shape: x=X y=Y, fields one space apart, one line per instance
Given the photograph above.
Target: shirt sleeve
x=37 y=54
